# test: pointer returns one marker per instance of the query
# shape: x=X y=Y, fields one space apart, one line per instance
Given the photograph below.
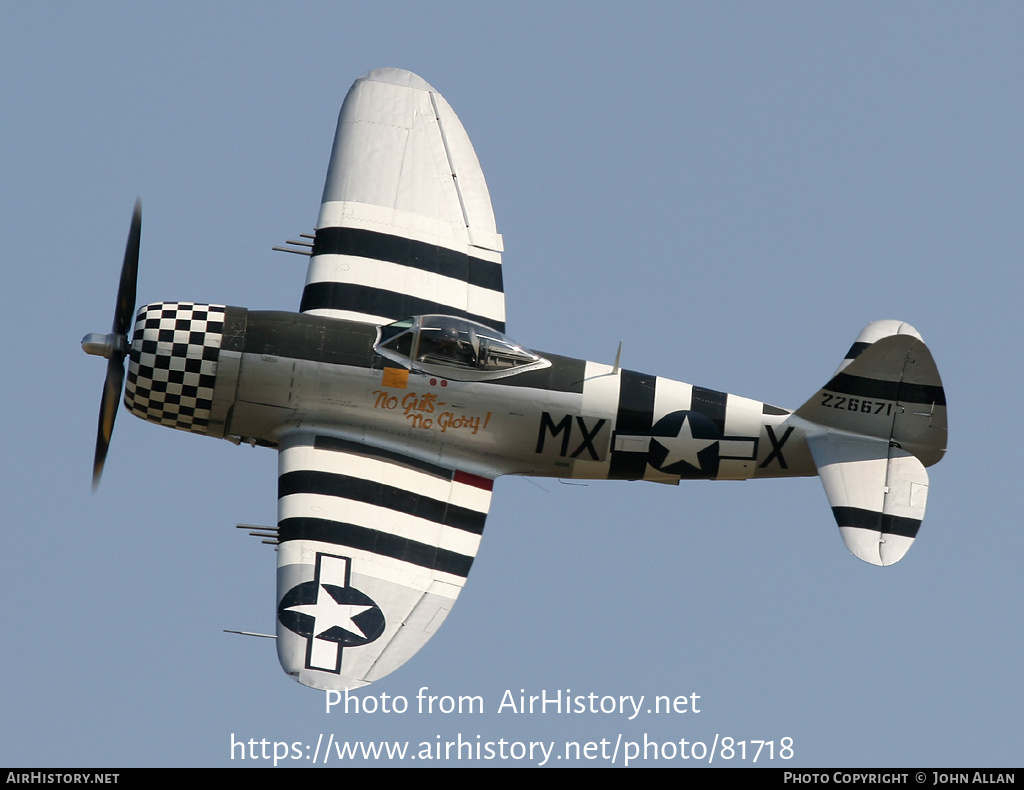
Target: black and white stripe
x=360 y=274
x=862 y=518
x=381 y=507
x=635 y=416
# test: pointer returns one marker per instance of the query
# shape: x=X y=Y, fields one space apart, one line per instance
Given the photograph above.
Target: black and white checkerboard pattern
x=173 y=364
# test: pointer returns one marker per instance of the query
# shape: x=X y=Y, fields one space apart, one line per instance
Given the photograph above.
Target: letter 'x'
x=776 y=446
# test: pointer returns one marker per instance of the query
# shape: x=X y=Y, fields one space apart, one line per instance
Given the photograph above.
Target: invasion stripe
x=387 y=276
x=378 y=518
x=635 y=416
x=381 y=495
x=879 y=522
x=379 y=302
x=636 y=403
x=886 y=390
x=376 y=542
x=710 y=403
x=420 y=255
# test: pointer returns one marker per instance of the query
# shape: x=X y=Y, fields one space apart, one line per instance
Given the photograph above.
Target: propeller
x=114 y=346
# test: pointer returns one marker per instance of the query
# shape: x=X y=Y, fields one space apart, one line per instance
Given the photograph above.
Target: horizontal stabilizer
x=878 y=493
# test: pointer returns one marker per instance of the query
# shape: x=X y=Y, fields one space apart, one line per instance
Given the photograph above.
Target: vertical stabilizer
x=888 y=387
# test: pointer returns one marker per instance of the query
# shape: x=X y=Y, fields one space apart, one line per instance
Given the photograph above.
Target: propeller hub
x=107 y=346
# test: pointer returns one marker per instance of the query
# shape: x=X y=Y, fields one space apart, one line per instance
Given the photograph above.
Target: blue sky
x=733 y=190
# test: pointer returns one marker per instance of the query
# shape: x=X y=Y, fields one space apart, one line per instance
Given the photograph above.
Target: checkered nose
x=173 y=364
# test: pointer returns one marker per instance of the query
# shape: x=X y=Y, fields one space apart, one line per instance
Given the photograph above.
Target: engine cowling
x=174 y=365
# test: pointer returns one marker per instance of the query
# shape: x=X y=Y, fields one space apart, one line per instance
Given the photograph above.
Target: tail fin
x=876 y=425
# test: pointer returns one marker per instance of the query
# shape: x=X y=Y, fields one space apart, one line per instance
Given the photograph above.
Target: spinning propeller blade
x=114 y=346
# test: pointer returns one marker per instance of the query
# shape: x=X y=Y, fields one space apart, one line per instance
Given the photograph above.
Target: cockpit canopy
x=454 y=348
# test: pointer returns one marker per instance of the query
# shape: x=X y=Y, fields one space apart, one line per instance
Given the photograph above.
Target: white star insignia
x=328 y=613
x=683 y=446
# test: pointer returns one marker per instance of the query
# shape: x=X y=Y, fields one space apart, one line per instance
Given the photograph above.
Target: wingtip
x=396 y=76
x=324 y=682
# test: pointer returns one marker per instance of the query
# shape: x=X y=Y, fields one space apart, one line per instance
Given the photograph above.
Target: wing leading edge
x=406 y=225
x=374 y=549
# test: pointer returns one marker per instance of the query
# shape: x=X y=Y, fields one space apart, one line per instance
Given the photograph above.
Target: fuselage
x=266 y=373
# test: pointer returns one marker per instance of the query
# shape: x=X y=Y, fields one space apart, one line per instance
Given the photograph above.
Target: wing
x=374 y=549
x=406 y=225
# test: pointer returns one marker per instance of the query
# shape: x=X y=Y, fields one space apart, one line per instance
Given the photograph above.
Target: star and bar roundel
x=683 y=443
x=330 y=613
